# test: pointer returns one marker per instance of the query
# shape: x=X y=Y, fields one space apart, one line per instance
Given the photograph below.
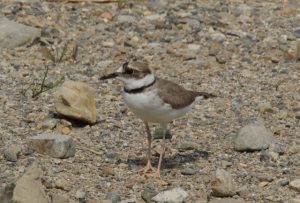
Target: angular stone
x=13 y=34
x=223 y=185
x=253 y=137
x=54 y=145
x=76 y=100
x=175 y=195
x=29 y=188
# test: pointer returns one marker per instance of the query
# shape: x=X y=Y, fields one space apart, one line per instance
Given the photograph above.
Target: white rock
x=176 y=195
x=54 y=145
x=13 y=34
x=194 y=47
x=253 y=137
x=29 y=188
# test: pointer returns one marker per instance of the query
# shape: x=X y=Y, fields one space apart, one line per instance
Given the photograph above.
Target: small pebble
x=188 y=171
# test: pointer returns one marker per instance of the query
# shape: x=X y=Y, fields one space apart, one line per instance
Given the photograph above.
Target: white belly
x=149 y=107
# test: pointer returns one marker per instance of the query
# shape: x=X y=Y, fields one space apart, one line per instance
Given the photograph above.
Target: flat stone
x=223 y=184
x=295 y=185
x=13 y=34
x=29 y=188
x=54 y=145
x=253 y=137
x=175 y=195
x=76 y=100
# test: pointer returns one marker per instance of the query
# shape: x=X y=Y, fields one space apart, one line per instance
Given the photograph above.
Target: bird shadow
x=175 y=160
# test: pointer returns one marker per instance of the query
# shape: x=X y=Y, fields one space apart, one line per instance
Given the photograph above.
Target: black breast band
x=140 y=89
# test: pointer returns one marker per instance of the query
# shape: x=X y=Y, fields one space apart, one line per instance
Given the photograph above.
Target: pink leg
x=148 y=167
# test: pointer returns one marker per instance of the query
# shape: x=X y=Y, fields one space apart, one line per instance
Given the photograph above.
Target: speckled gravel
x=242 y=51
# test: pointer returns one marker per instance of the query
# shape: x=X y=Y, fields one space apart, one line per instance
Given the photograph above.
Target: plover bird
x=154 y=100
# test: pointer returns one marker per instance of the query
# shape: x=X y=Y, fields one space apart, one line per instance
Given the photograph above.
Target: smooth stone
x=188 y=171
x=29 y=188
x=223 y=185
x=54 y=145
x=175 y=195
x=13 y=34
x=253 y=137
x=76 y=100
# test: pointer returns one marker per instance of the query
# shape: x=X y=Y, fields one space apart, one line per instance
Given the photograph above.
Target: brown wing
x=173 y=94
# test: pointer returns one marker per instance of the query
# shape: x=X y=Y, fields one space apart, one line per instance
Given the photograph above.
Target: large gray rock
x=253 y=137
x=54 y=145
x=223 y=184
x=29 y=188
x=76 y=100
x=175 y=195
x=13 y=34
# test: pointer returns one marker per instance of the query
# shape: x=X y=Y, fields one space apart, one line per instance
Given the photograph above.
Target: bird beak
x=109 y=76
x=113 y=75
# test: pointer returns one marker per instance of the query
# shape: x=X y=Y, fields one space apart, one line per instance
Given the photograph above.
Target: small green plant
x=40 y=87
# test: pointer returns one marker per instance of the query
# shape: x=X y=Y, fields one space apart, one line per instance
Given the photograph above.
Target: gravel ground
x=243 y=51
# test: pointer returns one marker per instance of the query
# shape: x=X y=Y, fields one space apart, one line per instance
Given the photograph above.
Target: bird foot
x=147 y=168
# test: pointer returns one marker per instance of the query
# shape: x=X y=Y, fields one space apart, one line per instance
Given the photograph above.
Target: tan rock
x=223 y=184
x=29 y=188
x=76 y=100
